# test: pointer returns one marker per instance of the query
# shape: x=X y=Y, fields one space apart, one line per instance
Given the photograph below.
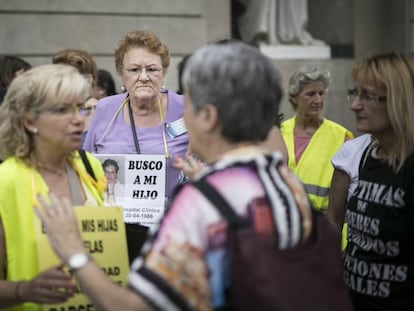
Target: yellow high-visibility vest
x=314 y=168
x=19 y=186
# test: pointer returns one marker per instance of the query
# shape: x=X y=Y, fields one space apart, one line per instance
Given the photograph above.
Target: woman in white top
x=345 y=177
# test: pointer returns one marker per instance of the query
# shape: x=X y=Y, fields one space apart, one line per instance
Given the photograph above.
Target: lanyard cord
x=107 y=129
x=134 y=130
x=167 y=154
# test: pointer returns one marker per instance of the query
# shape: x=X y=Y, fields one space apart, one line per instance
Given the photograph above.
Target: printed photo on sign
x=114 y=170
x=137 y=184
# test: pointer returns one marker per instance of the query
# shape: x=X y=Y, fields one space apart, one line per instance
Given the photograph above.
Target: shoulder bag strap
x=75 y=186
x=86 y=163
x=220 y=203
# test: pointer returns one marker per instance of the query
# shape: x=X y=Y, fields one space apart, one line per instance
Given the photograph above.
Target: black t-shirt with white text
x=379 y=259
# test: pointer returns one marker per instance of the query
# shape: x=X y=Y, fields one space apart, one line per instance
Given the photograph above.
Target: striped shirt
x=184 y=266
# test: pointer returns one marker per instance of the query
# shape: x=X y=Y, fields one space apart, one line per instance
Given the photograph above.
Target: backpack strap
x=86 y=163
x=220 y=203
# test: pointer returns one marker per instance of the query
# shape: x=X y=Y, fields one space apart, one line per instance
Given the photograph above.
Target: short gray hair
x=243 y=85
x=305 y=75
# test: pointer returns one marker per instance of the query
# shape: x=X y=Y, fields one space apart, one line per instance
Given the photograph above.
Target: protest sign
x=103 y=233
x=136 y=182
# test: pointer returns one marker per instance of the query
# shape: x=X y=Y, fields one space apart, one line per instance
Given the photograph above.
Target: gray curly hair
x=305 y=75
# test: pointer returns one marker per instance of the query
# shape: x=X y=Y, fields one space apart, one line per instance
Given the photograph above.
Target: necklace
x=59 y=173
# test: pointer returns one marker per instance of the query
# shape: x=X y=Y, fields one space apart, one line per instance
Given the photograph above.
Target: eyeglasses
x=364 y=96
x=71 y=110
x=151 y=71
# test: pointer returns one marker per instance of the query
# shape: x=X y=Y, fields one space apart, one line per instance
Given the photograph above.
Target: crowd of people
x=222 y=128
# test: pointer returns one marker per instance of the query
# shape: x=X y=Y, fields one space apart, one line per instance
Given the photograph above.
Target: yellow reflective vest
x=314 y=168
x=19 y=185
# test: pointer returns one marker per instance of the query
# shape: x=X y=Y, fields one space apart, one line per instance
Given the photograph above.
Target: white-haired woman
x=310 y=138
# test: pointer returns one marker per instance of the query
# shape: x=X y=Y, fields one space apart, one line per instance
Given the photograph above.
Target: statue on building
x=274 y=22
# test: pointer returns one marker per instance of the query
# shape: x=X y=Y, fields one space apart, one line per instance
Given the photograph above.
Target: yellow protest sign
x=103 y=232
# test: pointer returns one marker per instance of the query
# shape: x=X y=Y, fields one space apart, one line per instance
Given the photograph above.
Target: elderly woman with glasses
x=42 y=122
x=136 y=122
x=311 y=139
x=146 y=119
x=379 y=258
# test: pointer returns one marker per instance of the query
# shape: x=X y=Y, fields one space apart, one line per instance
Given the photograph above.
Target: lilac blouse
x=116 y=137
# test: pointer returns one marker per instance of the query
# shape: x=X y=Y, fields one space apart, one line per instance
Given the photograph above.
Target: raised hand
x=190 y=166
x=59 y=219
